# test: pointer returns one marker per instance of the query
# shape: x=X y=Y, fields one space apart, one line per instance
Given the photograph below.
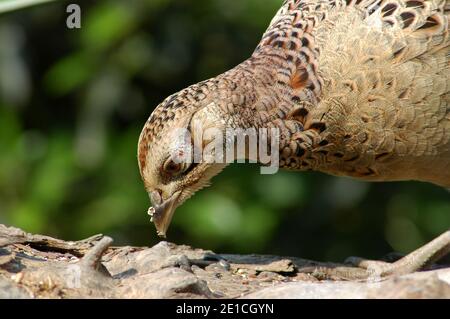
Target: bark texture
x=36 y=266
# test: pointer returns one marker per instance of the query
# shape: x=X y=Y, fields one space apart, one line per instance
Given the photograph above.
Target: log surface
x=36 y=266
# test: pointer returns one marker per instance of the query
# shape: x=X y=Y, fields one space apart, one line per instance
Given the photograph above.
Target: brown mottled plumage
x=357 y=88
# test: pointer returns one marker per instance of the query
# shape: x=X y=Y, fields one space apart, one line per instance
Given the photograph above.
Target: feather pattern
x=359 y=88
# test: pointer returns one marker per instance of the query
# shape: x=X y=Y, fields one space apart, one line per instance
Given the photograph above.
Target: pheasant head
x=173 y=148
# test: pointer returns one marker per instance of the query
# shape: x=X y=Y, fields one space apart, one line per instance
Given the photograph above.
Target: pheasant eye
x=172 y=167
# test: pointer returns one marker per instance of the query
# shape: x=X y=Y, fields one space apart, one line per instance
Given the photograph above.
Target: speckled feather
x=357 y=88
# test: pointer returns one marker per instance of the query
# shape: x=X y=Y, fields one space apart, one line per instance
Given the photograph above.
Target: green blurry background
x=73 y=102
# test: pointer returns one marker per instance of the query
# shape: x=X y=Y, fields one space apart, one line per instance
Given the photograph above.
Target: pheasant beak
x=161 y=213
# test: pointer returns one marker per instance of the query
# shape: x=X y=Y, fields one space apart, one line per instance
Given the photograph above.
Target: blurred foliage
x=73 y=102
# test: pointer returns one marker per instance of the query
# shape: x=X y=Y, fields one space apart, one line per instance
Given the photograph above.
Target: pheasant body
x=369 y=84
x=384 y=104
x=358 y=88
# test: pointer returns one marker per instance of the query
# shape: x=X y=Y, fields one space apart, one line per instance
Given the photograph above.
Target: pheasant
x=356 y=88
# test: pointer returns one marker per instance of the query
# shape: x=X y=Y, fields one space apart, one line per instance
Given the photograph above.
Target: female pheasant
x=356 y=88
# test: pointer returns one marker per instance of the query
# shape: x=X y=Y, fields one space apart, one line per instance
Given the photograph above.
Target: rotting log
x=36 y=266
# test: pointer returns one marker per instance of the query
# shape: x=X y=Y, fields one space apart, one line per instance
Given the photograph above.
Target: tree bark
x=36 y=266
